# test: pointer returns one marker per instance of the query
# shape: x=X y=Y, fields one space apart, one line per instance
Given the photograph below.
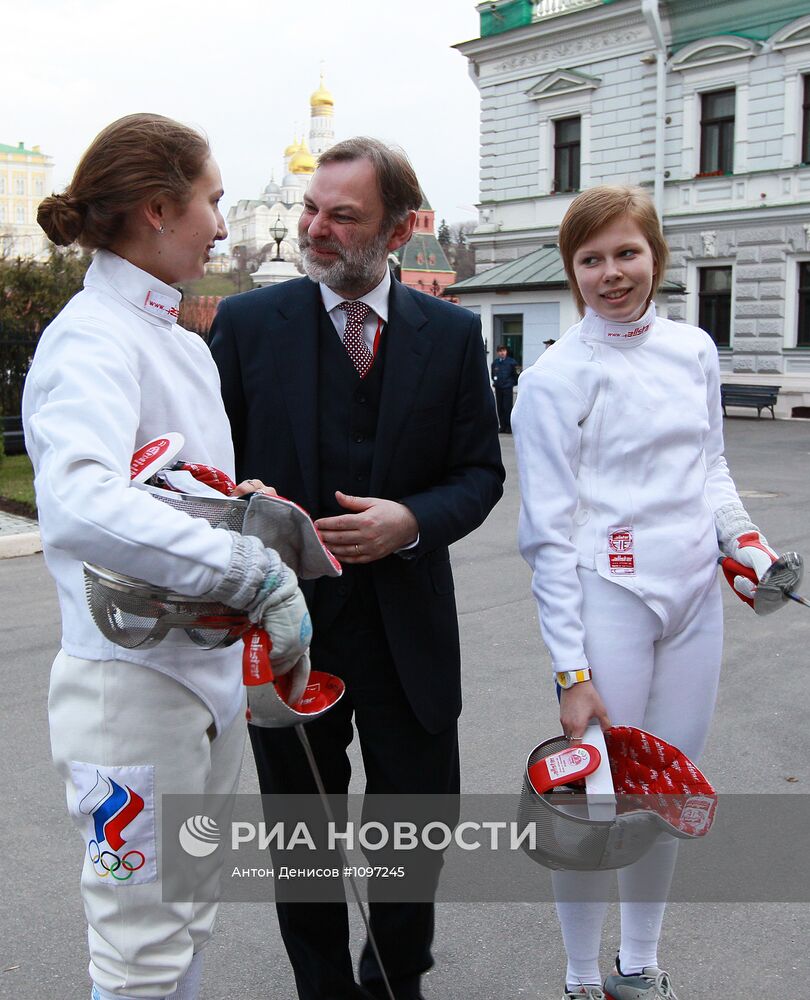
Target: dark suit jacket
x=436 y=450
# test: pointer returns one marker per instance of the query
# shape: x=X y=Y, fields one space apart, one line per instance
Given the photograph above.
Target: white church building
x=251 y=221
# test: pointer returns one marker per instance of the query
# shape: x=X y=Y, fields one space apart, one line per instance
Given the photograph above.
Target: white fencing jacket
x=112 y=372
x=618 y=433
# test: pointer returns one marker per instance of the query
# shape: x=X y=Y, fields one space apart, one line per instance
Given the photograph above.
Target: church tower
x=322 y=126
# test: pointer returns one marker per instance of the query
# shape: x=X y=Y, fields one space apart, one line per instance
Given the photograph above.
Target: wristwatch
x=568 y=678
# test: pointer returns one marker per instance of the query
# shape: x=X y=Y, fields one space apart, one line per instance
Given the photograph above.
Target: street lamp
x=278 y=231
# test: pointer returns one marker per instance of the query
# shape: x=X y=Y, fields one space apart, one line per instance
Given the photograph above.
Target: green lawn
x=17 y=480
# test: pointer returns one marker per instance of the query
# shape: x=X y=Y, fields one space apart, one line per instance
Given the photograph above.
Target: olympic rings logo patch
x=108 y=863
x=114 y=807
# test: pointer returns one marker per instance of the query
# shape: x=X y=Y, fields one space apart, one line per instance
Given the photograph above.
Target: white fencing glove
x=751 y=557
x=752 y=549
x=283 y=614
x=258 y=582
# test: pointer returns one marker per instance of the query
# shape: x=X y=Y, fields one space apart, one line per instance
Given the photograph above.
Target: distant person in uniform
x=504 y=380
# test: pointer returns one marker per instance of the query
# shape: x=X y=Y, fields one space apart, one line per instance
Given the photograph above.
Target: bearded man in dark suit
x=369 y=404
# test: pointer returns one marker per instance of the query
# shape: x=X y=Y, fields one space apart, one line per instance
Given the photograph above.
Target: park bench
x=13 y=440
x=758 y=397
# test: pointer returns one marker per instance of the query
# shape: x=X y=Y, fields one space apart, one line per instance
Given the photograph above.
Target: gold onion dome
x=322 y=98
x=302 y=162
x=294 y=147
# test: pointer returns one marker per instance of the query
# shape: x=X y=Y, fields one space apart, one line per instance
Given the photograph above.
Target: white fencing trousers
x=123 y=736
x=667 y=685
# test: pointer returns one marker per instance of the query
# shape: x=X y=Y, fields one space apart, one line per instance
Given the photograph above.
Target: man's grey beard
x=357 y=270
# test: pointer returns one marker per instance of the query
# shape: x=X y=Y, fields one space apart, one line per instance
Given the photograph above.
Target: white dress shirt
x=376 y=299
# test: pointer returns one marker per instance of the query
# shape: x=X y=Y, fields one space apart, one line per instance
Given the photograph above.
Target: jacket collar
x=140 y=291
x=622 y=335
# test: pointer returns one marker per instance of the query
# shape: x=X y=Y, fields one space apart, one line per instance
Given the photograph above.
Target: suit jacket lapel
x=295 y=347
x=406 y=354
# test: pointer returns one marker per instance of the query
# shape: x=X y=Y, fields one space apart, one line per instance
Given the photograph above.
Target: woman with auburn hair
x=626 y=500
x=113 y=372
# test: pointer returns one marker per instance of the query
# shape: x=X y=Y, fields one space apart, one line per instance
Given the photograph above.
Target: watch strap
x=568 y=678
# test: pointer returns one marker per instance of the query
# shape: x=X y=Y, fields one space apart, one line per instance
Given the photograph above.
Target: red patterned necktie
x=353 y=341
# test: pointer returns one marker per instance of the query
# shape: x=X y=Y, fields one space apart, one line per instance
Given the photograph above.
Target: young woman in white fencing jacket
x=626 y=502
x=113 y=371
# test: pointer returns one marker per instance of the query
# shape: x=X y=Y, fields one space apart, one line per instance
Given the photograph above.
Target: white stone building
x=25 y=179
x=709 y=106
x=251 y=221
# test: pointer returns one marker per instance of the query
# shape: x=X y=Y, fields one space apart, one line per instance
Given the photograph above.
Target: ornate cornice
x=582 y=46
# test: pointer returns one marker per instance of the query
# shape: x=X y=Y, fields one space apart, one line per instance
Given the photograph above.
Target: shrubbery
x=32 y=293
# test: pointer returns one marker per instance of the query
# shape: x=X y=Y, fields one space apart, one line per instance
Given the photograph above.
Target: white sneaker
x=584 y=993
x=651 y=983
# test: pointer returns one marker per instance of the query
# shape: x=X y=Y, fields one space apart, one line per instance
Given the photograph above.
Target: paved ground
x=19 y=536
x=739 y=951
x=12 y=524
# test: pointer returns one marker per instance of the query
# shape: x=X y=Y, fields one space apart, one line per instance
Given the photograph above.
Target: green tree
x=32 y=293
x=461 y=254
x=443 y=236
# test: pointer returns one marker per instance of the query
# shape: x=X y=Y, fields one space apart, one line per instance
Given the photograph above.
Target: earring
x=161 y=231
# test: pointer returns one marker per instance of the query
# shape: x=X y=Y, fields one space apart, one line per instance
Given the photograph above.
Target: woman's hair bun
x=61 y=218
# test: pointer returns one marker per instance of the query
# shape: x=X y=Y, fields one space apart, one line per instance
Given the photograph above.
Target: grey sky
x=244 y=73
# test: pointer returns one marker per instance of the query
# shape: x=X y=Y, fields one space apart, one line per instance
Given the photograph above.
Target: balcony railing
x=550 y=8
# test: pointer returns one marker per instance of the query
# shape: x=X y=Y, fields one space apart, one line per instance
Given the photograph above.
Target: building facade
x=25 y=179
x=708 y=105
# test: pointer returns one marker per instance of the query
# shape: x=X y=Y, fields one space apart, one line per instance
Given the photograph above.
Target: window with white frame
x=805 y=154
x=717 y=132
x=564 y=99
x=20 y=215
x=19 y=185
x=2 y=185
x=715 y=74
x=567 y=153
x=714 y=303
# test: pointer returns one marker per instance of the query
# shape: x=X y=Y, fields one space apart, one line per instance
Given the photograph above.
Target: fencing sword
x=344 y=861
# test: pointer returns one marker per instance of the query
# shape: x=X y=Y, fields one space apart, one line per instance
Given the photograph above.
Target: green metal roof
x=541 y=269
x=693 y=19
x=18 y=149
x=433 y=257
x=689 y=20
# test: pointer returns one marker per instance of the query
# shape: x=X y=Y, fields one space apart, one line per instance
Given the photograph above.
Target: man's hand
x=248 y=486
x=578 y=705
x=373 y=529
